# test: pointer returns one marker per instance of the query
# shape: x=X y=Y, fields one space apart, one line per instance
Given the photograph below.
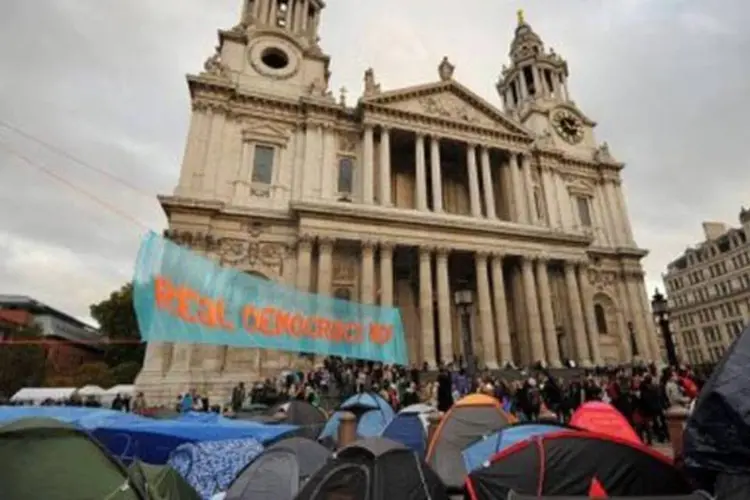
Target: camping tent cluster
x=477 y=452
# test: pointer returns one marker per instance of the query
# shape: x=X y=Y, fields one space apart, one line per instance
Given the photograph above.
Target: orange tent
x=468 y=420
x=603 y=418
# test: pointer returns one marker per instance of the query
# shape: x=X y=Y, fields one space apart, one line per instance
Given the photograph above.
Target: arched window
x=601 y=319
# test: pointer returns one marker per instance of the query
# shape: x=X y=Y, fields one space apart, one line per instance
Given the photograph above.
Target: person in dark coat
x=445 y=390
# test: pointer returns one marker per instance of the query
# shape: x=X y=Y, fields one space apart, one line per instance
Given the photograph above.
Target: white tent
x=38 y=395
x=91 y=390
x=124 y=389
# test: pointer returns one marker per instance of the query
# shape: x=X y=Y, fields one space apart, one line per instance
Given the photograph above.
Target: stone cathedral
x=411 y=197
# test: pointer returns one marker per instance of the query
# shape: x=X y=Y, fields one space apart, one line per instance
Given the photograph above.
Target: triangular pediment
x=448 y=100
x=265 y=131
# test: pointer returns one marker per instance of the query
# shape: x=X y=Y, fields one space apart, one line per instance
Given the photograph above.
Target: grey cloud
x=667 y=80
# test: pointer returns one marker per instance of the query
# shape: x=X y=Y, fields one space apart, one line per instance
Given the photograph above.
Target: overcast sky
x=667 y=80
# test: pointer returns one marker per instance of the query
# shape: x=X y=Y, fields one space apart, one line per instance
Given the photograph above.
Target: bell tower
x=535 y=76
x=298 y=18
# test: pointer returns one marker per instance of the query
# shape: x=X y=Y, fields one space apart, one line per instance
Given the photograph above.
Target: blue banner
x=182 y=297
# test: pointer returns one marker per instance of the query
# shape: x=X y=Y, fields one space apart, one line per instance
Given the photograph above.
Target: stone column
x=471 y=165
x=576 y=312
x=385 y=167
x=272 y=17
x=548 y=318
x=305 y=10
x=444 y=306
x=421 y=174
x=618 y=234
x=532 y=311
x=304 y=258
x=519 y=200
x=529 y=184
x=485 y=312
x=437 y=175
x=501 y=310
x=623 y=209
x=386 y=274
x=652 y=332
x=603 y=218
x=213 y=154
x=489 y=193
x=637 y=316
x=550 y=199
x=368 y=272
x=195 y=150
x=524 y=88
x=426 y=321
x=587 y=294
x=325 y=265
x=368 y=153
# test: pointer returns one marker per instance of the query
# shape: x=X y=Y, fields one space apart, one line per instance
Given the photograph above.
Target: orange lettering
x=186 y=297
x=164 y=293
x=380 y=334
x=221 y=313
x=207 y=312
x=248 y=318
x=354 y=334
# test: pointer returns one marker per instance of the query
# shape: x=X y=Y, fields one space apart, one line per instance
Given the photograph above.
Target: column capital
x=384 y=128
x=482 y=254
x=305 y=239
x=368 y=244
x=386 y=246
x=498 y=253
x=425 y=251
x=326 y=242
x=442 y=251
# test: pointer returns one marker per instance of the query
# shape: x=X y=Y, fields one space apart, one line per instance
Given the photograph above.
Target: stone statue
x=602 y=153
x=316 y=88
x=214 y=65
x=446 y=69
x=545 y=139
x=371 y=86
x=342 y=96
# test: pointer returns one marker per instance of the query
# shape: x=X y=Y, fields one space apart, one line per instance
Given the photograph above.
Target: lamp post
x=464 y=299
x=660 y=308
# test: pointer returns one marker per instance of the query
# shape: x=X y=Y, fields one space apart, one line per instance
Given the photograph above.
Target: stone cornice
x=212 y=208
x=421 y=229
x=461 y=131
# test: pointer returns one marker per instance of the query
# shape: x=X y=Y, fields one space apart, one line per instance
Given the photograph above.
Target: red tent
x=596 y=416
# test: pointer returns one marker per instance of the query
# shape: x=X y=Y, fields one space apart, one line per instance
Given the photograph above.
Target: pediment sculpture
x=448 y=108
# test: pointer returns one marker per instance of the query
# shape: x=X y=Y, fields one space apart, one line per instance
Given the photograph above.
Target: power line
x=74 y=159
x=72 y=186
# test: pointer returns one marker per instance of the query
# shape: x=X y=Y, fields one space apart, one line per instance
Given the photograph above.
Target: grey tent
x=279 y=472
x=469 y=419
x=307 y=416
x=698 y=495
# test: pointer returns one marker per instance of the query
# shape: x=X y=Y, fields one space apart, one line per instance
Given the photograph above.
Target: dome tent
x=164 y=481
x=373 y=414
x=409 y=427
x=279 y=472
x=309 y=418
x=374 y=469
x=46 y=458
x=469 y=419
x=577 y=463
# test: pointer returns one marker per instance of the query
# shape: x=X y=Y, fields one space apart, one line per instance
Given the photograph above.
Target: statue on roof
x=371 y=86
x=446 y=69
x=214 y=66
x=519 y=14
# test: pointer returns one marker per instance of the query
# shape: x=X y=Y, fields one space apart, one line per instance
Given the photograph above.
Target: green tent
x=163 y=482
x=46 y=458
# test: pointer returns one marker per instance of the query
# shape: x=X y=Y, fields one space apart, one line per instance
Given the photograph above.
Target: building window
x=263 y=165
x=345 y=182
x=584 y=211
x=601 y=319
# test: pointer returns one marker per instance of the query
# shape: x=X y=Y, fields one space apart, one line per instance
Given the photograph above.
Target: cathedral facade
x=500 y=232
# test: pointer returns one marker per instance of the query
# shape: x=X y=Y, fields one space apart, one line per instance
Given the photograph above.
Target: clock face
x=568 y=126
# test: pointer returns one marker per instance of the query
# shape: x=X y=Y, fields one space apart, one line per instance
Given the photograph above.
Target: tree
x=22 y=360
x=116 y=317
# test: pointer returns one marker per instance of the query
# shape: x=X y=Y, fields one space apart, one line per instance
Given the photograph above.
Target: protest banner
x=180 y=296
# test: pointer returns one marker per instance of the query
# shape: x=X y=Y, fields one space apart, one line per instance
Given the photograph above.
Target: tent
x=91 y=390
x=478 y=453
x=49 y=459
x=374 y=469
x=164 y=481
x=717 y=434
x=596 y=416
x=309 y=418
x=469 y=419
x=577 y=463
x=698 y=495
x=409 y=427
x=373 y=415
x=280 y=471
x=211 y=466
x=37 y=395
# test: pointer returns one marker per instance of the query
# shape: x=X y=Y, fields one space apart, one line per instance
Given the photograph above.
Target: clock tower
x=534 y=90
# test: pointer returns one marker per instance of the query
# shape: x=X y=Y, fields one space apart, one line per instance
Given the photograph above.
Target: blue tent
x=130 y=436
x=212 y=466
x=479 y=452
x=373 y=415
x=409 y=427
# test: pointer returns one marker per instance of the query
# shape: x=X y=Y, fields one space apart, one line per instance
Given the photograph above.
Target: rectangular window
x=262 y=165
x=345 y=183
x=584 y=211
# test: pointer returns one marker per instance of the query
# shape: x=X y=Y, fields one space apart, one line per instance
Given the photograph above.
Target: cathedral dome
x=526 y=43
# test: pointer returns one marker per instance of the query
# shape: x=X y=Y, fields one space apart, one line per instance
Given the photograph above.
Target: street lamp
x=464 y=299
x=660 y=309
